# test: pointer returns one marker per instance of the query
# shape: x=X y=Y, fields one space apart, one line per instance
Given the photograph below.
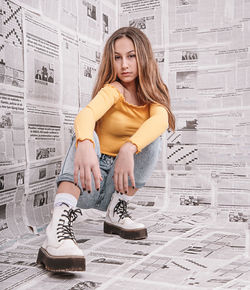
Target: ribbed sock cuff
x=67 y=198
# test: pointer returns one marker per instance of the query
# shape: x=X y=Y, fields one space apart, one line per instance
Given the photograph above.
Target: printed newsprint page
x=68 y=14
x=145 y=15
x=44 y=134
x=109 y=19
x=70 y=69
x=43 y=70
x=30 y=3
x=12 y=223
x=89 y=23
x=68 y=116
x=90 y=57
x=40 y=193
x=11 y=43
x=12 y=142
x=51 y=9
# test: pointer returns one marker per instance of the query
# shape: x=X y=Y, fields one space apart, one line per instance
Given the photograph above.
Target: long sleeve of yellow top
x=119 y=122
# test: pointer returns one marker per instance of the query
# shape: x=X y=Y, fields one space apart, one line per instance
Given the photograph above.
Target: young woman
x=114 y=149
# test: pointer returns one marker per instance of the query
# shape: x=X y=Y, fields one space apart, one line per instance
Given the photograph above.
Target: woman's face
x=125 y=60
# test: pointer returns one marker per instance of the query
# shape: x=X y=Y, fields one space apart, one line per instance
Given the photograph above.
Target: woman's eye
x=132 y=55
x=117 y=57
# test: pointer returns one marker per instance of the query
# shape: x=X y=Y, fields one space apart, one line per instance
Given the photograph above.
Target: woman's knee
x=150 y=153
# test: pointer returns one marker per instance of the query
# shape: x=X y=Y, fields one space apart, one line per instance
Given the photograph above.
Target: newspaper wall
x=49 y=57
x=209 y=84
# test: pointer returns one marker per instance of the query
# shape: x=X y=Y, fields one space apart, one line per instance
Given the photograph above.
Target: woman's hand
x=124 y=167
x=86 y=162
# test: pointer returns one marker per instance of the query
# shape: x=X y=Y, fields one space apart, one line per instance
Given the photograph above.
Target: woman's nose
x=124 y=63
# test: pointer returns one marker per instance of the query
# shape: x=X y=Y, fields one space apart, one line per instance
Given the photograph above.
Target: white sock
x=67 y=198
x=125 y=197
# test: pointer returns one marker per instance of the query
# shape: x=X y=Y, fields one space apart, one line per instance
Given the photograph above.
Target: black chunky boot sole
x=137 y=234
x=60 y=264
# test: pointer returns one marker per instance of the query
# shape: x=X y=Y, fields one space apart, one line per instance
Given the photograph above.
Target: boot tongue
x=65 y=229
x=121 y=209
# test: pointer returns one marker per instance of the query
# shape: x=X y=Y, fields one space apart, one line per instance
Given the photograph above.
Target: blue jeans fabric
x=144 y=163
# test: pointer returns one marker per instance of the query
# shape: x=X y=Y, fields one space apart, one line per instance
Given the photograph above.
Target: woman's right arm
x=86 y=161
x=97 y=107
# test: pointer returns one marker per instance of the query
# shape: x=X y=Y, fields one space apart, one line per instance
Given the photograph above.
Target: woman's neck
x=131 y=88
x=130 y=93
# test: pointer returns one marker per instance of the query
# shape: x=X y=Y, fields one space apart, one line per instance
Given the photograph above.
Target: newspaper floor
x=185 y=249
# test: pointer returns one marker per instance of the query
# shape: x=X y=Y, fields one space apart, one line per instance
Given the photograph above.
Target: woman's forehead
x=124 y=44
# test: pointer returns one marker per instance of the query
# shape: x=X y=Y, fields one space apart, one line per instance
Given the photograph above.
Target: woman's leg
x=60 y=252
x=117 y=220
x=145 y=162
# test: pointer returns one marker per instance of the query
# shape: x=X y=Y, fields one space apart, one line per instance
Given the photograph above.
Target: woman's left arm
x=124 y=167
x=150 y=130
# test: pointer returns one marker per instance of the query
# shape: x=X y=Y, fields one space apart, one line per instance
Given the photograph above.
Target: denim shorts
x=144 y=163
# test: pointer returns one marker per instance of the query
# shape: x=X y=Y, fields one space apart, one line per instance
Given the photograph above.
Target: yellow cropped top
x=119 y=121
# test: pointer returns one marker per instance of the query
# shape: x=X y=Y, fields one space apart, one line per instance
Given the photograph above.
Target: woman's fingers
x=82 y=178
x=76 y=172
x=132 y=179
x=85 y=177
x=121 y=180
x=125 y=182
x=120 y=183
x=88 y=179
x=97 y=177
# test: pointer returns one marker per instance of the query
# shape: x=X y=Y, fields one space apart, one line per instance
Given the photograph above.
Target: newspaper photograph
x=183 y=88
x=43 y=69
x=183 y=58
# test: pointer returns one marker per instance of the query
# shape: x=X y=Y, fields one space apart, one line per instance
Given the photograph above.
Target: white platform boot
x=119 y=222
x=59 y=252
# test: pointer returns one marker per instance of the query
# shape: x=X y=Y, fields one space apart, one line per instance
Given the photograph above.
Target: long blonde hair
x=150 y=86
